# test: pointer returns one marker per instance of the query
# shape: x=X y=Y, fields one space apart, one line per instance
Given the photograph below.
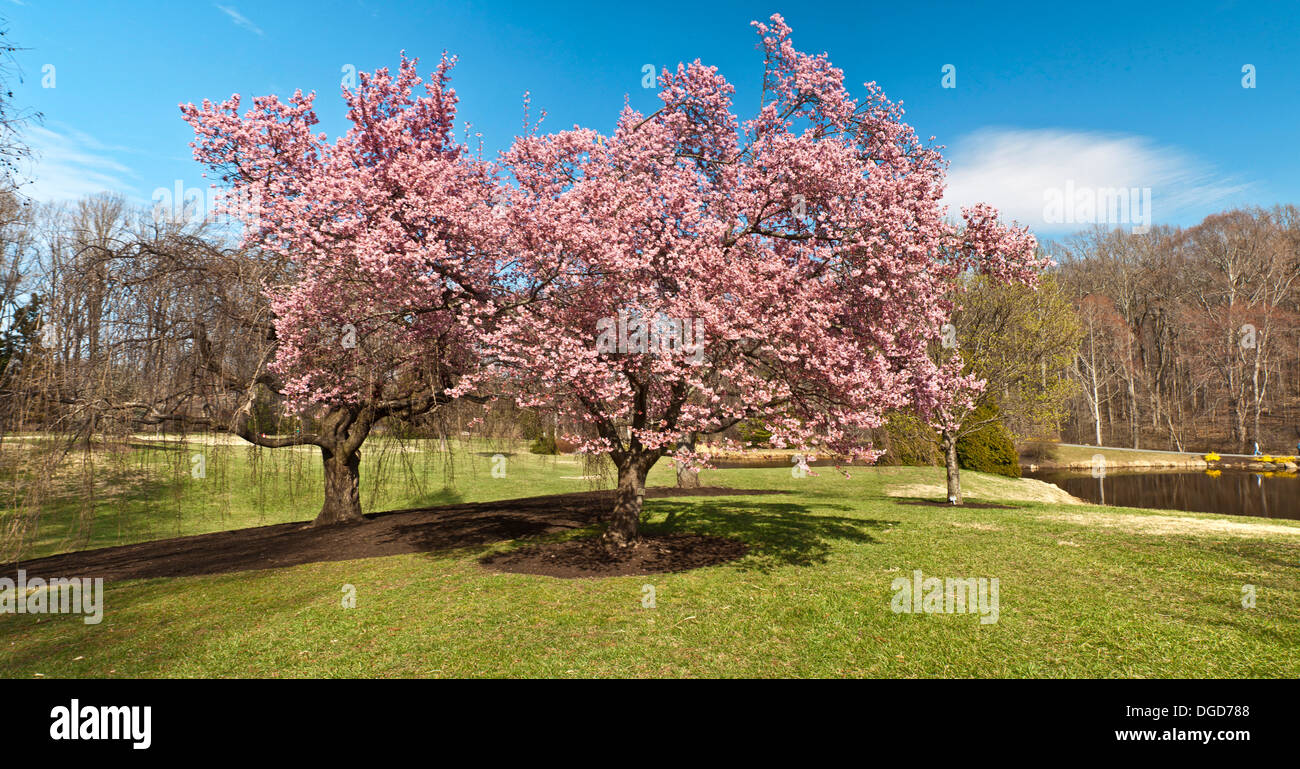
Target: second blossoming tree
x=692 y=270
x=386 y=241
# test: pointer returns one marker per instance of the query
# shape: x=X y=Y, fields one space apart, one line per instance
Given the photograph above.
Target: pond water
x=1229 y=492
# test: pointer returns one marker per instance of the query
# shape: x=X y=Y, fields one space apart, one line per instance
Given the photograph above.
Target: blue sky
x=1096 y=95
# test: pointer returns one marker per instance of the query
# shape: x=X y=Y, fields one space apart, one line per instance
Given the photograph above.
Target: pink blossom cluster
x=381 y=231
x=807 y=243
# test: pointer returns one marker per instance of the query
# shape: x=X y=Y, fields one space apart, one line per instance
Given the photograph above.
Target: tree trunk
x=954 y=472
x=688 y=477
x=1110 y=413
x=1257 y=394
x=1133 y=414
x=342 y=488
x=1096 y=411
x=1095 y=401
x=625 y=521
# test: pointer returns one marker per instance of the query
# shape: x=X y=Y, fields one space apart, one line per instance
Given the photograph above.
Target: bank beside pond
x=1075 y=457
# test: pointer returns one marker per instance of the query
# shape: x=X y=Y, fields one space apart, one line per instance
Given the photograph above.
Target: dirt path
x=391 y=533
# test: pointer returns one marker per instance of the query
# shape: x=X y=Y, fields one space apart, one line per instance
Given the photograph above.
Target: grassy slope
x=812 y=598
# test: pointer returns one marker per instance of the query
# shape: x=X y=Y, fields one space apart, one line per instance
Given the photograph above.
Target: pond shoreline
x=1234 y=492
x=1116 y=461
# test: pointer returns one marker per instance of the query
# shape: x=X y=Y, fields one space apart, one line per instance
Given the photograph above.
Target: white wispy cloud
x=68 y=164
x=1019 y=172
x=240 y=19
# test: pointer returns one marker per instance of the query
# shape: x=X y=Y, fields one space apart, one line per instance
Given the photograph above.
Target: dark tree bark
x=342 y=488
x=342 y=431
x=623 y=527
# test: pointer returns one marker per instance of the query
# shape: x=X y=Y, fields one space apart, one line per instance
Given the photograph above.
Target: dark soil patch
x=962 y=506
x=586 y=557
x=291 y=544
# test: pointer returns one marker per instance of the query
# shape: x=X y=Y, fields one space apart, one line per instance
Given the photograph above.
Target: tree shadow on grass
x=1262 y=554
x=236 y=606
x=923 y=502
x=443 y=496
x=1222 y=611
x=778 y=533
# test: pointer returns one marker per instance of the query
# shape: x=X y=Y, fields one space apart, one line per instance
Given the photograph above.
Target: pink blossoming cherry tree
x=384 y=234
x=692 y=270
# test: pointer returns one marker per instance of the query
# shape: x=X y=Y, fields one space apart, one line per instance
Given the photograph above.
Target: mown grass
x=811 y=599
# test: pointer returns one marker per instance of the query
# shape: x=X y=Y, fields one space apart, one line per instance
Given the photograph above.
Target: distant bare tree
x=1187 y=330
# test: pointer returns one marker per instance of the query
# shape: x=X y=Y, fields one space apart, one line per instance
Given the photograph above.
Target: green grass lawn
x=1084 y=590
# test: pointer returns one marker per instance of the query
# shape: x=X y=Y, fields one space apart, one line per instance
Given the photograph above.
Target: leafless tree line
x=1191 y=336
x=142 y=321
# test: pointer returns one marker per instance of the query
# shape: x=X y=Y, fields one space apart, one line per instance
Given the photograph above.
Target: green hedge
x=989 y=449
x=752 y=433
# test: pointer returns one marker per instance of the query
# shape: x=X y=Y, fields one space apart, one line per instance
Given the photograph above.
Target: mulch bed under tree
x=405 y=531
x=586 y=557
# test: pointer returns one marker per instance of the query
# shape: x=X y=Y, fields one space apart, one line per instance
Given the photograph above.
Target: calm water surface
x=1228 y=493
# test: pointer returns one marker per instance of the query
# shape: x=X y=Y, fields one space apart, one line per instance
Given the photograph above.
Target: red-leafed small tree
x=383 y=232
x=694 y=271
